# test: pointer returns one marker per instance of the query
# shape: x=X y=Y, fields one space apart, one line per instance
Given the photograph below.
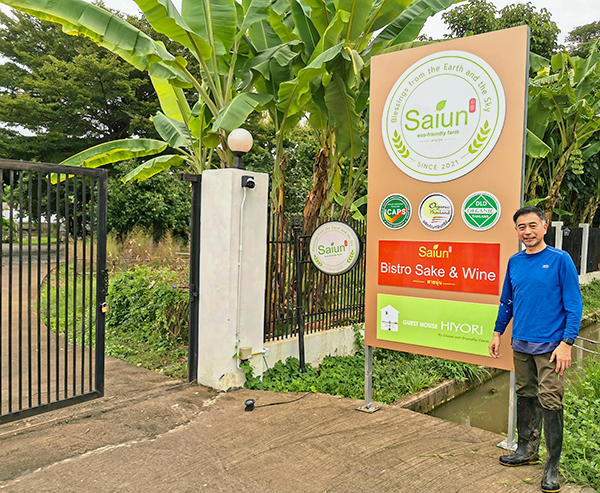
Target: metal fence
x=53 y=281
x=581 y=243
x=327 y=301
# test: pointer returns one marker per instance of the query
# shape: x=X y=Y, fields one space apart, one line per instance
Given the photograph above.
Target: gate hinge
x=193 y=293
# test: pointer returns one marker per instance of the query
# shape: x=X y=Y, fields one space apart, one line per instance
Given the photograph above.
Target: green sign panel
x=452 y=325
x=481 y=211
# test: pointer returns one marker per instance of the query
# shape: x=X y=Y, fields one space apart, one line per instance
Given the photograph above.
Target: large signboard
x=446 y=155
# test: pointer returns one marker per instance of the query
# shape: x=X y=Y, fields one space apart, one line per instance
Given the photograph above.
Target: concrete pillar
x=558 y=234
x=585 y=241
x=233 y=252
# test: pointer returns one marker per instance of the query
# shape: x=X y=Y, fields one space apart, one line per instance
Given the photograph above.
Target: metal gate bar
x=51 y=321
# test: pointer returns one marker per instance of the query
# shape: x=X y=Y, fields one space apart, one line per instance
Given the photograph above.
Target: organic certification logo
x=334 y=248
x=395 y=211
x=481 y=211
x=436 y=212
x=443 y=116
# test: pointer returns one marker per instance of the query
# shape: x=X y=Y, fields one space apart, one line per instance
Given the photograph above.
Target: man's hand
x=562 y=355
x=494 y=347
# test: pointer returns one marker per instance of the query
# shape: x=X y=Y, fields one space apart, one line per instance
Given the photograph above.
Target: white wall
x=334 y=342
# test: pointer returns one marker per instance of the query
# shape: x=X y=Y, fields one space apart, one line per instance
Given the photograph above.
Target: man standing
x=541 y=294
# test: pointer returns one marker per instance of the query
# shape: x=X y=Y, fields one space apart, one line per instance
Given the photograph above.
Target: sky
x=567 y=14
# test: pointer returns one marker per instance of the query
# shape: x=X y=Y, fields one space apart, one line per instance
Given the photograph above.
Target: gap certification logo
x=334 y=248
x=436 y=212
x=481 y=211
x=395 y=211
x=443 y=116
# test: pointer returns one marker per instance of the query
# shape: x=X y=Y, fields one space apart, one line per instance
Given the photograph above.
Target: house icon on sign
x=389 y=318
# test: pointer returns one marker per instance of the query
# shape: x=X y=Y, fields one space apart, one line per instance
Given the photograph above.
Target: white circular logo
x=334 y=248
x=436 y=212
x=443 y=116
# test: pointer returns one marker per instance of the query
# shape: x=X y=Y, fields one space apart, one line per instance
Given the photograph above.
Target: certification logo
x=443 y=116
x=436 y=212
x=395 y=211
x=481 y=211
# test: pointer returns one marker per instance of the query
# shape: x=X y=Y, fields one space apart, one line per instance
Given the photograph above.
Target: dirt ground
x=151 y=433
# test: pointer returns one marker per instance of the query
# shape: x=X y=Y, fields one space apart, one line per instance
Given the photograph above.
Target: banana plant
x=214 y=33
x=564 y=112
x=332 y=86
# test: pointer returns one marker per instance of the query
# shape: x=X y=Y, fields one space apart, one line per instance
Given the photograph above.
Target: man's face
x=531 y=231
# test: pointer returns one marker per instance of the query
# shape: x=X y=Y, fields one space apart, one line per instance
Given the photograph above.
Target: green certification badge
x=481 y=211
x=395 y=211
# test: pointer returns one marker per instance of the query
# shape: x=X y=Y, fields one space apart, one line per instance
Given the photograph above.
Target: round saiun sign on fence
x=443 y=116
x=334 y=248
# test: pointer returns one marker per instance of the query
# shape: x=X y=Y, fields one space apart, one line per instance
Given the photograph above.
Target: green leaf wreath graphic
x=399 y=145
x=480 y=139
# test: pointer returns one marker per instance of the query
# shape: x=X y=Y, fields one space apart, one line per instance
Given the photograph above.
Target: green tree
x=581 y=39
x=209 y=31
x=480 y=16
x=159 y=204
x=472 y=17
x=62 y=94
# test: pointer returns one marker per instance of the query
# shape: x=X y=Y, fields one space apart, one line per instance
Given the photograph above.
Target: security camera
x=248 y=182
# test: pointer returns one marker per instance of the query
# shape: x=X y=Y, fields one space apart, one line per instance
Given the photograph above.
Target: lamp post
x=240 y=142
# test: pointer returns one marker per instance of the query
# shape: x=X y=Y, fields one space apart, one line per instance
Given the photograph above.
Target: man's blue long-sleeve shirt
x=541 y=293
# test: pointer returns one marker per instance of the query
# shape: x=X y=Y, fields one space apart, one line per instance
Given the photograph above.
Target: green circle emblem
x=395 y=211
x=443 y=116
x=481 y=211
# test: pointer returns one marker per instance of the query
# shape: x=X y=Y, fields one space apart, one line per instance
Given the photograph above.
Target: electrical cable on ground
x=249 y=403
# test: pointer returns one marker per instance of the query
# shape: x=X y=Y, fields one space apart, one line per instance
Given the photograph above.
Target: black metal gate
x=53 y=286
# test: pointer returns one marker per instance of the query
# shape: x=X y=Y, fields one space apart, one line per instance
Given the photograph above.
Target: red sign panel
x=447 y=266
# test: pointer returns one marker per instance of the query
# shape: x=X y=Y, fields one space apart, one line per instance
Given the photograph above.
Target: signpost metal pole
x=368 y=405
x=510 y=443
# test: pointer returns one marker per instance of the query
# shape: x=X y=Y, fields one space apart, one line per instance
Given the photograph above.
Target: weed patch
x=590 y=294
x=395 y=374
x=580 y=459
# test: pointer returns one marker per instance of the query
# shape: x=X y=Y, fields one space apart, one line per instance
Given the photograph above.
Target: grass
x=136 y=341
x=580 y=461
x=590 y=294
x=395 y=374
x=69 y=305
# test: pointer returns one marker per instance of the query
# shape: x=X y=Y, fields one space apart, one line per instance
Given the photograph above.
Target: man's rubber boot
x=553 y=433
x=529 y=424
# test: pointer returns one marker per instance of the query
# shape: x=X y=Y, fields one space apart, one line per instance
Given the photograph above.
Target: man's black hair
x=528 y=210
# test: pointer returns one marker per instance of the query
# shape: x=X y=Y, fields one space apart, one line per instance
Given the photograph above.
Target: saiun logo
x=434 y=252
x=334 y=248
x=436 y=212
x=443 y=116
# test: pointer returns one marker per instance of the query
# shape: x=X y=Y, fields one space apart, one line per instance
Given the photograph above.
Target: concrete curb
x=428 y=399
